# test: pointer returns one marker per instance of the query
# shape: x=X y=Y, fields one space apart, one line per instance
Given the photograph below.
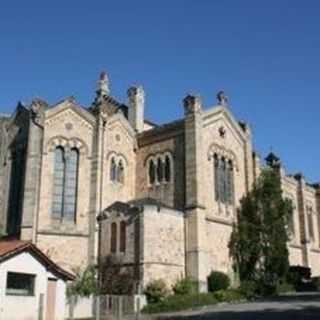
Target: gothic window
x=152 y=172
x=291 y=227
x=123 y=236
x=113 y=170
x=113 y=237
x=71 y=184
x=167 y=169
x=222 y=184
x=229 y=183
x=65 y=184
x=223 y=180
x=159 y=170
x=120 y=172
x=58 y=183
x=216 y=176
x=310 y=223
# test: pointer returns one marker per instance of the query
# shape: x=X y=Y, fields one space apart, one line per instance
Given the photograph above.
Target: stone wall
x=163 y=245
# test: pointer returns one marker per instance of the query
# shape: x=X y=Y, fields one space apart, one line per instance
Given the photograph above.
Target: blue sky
x=264 y=54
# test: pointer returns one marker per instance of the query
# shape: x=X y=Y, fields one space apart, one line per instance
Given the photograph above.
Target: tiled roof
x=10 y=248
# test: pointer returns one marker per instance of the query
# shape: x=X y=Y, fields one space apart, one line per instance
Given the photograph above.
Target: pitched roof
x=10 y=248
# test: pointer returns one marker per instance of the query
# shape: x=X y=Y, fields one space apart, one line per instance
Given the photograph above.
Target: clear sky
x=264 y=54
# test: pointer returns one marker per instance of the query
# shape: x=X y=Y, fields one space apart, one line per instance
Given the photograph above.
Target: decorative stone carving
x=222 y=99
x=103 y=84
x=37 y=111
x=192 y=104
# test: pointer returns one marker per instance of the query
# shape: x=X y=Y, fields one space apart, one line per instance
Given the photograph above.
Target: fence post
x=120 y=308
x=97 y=307
x=138 y=308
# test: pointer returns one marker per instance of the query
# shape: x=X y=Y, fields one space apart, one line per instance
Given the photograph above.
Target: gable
x=69 y=107
x=224 y=117
x=119 y=123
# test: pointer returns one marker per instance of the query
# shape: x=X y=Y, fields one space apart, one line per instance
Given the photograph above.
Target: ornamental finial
x=103 y=84
x=222 y=99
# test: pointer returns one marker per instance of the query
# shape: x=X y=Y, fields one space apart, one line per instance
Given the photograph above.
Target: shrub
x=156 y=291
x=218 y=281
x=229 y=295
x=284 y=287
x=184 y=286
x=181 y=302
x=249 y=289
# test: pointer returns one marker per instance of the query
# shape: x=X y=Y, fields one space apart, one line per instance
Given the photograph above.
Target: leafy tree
x=258 y=243
x=85 y=283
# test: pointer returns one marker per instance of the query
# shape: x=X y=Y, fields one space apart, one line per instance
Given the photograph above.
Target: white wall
x=27 y=307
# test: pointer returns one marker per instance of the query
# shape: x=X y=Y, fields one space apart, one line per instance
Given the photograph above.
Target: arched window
x=159 y=170
x=229 y=183
x=113 y=240
x=58 y=183
x=120 y=172
x=310 y=223
x=291 y=227
x=152 y=172
x=71 y=184
x=113 y=170
x=65 y=184
x=123 y=236
x=216 y=177
x=222 y=182
x=223 y=179
x=167 y=169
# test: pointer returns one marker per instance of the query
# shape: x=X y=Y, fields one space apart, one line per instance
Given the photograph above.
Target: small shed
x=32 y=286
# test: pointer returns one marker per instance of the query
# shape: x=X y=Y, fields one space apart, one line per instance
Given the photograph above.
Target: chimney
x=136 y=108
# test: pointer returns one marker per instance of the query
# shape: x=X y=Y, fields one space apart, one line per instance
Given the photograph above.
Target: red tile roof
x=10 y=248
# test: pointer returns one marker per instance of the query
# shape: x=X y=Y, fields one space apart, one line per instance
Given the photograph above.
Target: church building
x=83 y=183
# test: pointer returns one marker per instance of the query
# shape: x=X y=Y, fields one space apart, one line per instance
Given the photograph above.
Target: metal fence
x=116 y=307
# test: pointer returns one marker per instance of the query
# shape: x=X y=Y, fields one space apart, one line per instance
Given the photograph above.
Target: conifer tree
x=258 y=244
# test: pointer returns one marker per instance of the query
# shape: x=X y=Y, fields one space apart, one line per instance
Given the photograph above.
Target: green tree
x=258 y=243
x=85 y=283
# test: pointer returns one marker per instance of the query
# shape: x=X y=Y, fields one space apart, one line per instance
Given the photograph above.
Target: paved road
x=302 y=306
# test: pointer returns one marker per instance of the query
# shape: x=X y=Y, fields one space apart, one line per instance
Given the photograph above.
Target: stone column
x=96 y=182
x=196 y=255
x=33 y=171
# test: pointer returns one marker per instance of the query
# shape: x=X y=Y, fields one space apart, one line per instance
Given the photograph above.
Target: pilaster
x=33 y=171
x=196 y=255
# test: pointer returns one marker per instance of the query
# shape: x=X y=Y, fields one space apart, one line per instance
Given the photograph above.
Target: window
x=216 y=176
x=123 y=236
x=113 y=237
x=65 y=184
x=310 y=223
x=152 y=172
x=71 y=185
x=113 y=170
x=223 y=180
x=229 y=183
x=116 y=171
x=159 y=170
x=167 y=169
x=120 y=172
x=58 y=183
x=20 y=284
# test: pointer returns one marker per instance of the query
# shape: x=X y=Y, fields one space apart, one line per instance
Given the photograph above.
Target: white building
x=32 y=286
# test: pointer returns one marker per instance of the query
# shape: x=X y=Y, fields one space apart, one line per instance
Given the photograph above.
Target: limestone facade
x=161 y=180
